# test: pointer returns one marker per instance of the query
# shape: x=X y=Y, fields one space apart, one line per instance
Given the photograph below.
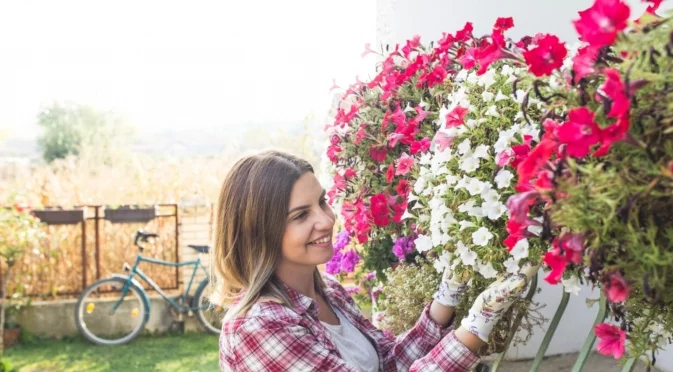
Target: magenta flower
x=611 y=340
x=580 y=132
x=404 y=164
x=614 y=88
x=349 y=260
x=403 y=246
x=378 y=153
x=584 y=63
x=420 y=146
x=352 y=290
x=547 y=56
x=341 y=241
x=380 y=211
x=557 y=263
x=599 y=24
x=616 y=288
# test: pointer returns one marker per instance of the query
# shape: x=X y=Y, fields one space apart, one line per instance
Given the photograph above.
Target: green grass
x=177 y=352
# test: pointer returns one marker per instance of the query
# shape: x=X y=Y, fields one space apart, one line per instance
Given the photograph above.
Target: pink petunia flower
x=420 y=146
x=616 y=288
x=584 y=63
x=404 y=164
x=557 y=263
x=611 y=340
x=456 y=117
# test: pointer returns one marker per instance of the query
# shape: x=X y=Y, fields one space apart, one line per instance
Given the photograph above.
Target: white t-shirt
x=354 y=347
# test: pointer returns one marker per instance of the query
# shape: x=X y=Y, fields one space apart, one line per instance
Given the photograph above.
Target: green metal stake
x=515 y=325
x=630 y=365
x=591 y=338
x=550 y=331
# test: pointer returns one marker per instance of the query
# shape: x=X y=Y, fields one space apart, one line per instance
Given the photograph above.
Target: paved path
x=595 y=363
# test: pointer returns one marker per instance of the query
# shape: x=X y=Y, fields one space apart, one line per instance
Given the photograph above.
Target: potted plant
x=12 y=329
x=19 y=232
x=60 y=216
x=130 y=214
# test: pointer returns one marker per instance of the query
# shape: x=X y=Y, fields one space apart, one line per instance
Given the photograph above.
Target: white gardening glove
x=494 y=301
x=450 y=289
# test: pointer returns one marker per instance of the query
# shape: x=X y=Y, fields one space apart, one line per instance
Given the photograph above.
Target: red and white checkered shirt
x=274 y=337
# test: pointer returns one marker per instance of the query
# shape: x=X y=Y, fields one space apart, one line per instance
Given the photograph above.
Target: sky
x=176 y=65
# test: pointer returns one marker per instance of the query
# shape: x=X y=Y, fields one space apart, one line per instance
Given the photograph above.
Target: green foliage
x=408 y=289
x=68 y=127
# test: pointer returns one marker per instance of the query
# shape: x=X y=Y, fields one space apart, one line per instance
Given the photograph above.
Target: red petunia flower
x=614 y=88
x=600 y=24
x=504 y=23
x=547 y=56
x=390 y=173
x=557 y=263
x=612 y=134
x=469 y=58
x=379 y=208
x=378 y=153
x=580 y=132
x=403 y=188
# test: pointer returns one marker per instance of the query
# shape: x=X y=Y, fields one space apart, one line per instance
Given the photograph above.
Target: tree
x=68 y=127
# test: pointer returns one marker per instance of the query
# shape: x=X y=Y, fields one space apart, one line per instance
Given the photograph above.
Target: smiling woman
x=274 y=228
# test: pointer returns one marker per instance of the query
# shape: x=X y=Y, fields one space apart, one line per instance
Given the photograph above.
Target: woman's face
x=310 y=220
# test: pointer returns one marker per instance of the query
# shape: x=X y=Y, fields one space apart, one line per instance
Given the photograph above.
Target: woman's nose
x=326 y=219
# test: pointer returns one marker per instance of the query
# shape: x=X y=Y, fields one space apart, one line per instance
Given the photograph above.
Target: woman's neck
x=301 y=280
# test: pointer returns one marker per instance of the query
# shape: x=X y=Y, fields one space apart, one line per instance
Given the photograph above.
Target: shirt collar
x=301 y=303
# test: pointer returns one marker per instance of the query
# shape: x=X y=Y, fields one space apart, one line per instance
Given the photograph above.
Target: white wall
x=399 y=20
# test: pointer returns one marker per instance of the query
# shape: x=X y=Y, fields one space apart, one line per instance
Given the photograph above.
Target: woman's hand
x=493 y=302
x=450 y=290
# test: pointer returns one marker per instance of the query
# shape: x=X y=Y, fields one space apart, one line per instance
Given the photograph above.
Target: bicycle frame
x=136 y=271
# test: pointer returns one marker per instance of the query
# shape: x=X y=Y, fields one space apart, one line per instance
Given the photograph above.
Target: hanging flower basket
x=60 y=216
x=130 y=214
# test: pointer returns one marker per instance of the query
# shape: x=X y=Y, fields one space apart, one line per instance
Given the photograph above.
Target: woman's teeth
x=320 y=241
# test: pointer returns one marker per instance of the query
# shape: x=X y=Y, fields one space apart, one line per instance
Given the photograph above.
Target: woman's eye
x=323 y=201
x=300 y=216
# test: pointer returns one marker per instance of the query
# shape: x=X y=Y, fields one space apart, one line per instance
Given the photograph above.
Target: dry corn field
x=56 y=266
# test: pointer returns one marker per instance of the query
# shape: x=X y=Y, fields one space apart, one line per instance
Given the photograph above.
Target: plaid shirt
x=274 y=337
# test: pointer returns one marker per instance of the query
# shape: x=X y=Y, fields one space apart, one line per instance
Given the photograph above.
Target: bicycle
x=114 y=310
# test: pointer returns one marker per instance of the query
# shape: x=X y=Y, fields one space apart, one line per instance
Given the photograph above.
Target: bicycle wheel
x=98 y=320
x=209 y=315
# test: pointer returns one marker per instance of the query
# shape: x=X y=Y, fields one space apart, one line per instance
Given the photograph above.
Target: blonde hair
x=250 y=223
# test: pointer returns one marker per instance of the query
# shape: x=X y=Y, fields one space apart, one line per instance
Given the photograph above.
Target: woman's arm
x=443 y=316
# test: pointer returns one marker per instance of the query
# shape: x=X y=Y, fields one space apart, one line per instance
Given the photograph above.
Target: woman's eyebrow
x=322 y=195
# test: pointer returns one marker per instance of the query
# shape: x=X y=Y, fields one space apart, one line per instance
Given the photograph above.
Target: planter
x=11 y=336
x=60 y=216
x=130 y=214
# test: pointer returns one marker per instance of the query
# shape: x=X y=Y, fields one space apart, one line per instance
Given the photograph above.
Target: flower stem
x=591 y=338
x=550 y=331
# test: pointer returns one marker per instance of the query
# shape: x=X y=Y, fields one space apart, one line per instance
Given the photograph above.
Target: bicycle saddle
x=200 y=248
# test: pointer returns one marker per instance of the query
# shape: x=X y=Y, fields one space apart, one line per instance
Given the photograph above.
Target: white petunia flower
x=487 y=270
x=465 y=147
x=535 y=230
x=481 y=152
x=487 y=79
x=503 y=178
x=461 y=76
x=461 y=247
x=506 y=70
x=475 y=187
x=489 y=195
x=499 y=97
x=481 y=237
x=487 y=96
x=469 y=164
x=465 y=224
x=531 y=130
x=494 y=210
x=406 y=215
x=493 y=111
x=462 y=183
x=423 y=104
x=572 y=285
x=512 y=265
x=425 y=159
x=468 y=257
x=408 y=108
x=423 y=243
x=465 y=207
x=520 y=249
x=443 y=262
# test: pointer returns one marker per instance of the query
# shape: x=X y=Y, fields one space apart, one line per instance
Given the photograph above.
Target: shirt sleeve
x=280 y=346
x=428 y=347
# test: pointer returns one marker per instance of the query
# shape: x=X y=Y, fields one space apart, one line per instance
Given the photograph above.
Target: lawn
x=179 y=352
